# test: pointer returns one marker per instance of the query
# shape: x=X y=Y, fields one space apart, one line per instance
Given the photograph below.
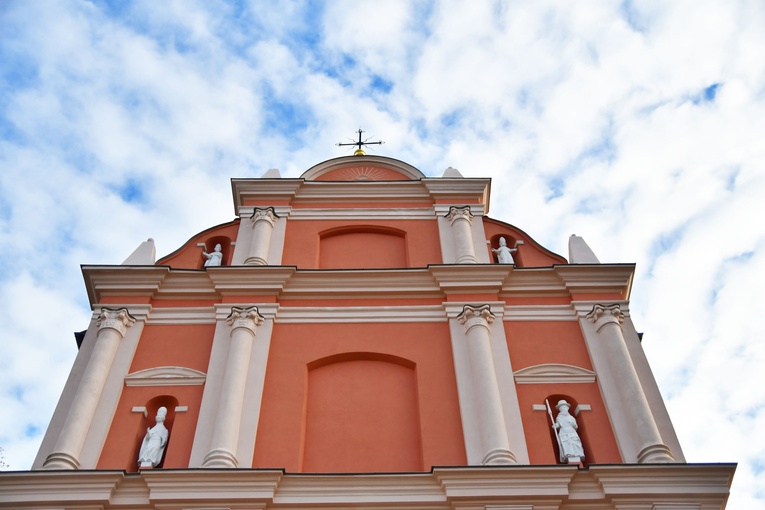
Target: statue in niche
x=215 y=258
x=571 y=450
x=154 y=442
x=505 y=254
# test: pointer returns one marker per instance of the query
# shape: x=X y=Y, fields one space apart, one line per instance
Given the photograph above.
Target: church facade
x=363 y=336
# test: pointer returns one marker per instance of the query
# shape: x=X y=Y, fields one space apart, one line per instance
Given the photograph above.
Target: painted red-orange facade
x=362 y=339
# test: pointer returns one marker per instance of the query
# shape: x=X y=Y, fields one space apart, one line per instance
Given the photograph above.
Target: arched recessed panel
x=362 y=415
x=363 y=247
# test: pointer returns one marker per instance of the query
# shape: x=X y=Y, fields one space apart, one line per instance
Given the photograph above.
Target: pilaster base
x=655 y=453
x=61 y=460
x=255 y=261
x=498 y=457
x=220 y=458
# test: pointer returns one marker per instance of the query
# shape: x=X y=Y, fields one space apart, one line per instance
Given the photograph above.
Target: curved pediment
x=166 y=376
x=553 y=373
x=362 y=168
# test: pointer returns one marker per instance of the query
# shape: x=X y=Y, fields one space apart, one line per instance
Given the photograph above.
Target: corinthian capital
x=476 y=316
x=608 y=314
x=247 y=318
x=267 y=214
x=118 y=320
x=456 y=213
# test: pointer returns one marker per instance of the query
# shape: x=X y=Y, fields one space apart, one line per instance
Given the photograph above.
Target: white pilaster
x=461 y=220
x=263 y=221
x=225 y=434
x=610 y=344
x=112 y=325
x=495 y=447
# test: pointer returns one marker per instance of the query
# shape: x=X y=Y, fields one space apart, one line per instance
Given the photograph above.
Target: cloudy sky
x=639 y=125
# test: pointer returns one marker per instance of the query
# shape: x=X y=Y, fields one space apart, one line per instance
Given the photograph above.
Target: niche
x=581 y=430
x=363 y=247
x=225 y=245
x=361 y=415
x=494 y=242
x=170 y=403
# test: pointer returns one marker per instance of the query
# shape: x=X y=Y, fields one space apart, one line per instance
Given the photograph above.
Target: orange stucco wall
x=529 y=254
x=304 y=239
x=189 y=256
x=533 y=343
x=174 y=345
x=290 y=417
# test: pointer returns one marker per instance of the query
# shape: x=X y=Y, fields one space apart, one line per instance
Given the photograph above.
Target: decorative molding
x=368 y=161
x=177 y=315
x=478 y=315
x=358 y=314
x=582 y=407
x=244 y=318
x=352 y=213
x=539 y=313
x=602 y=315
x=118 y=320
x=459 y=213
x=166 y=376
x=553 y=373
x=267 y=214
x=140 y=409
x=181 y=409
x=599 y=486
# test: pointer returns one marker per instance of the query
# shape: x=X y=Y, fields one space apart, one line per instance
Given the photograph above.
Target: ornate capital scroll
x=247 y=318
x=602 y=315
x=118 y=320
x=264 y=214
x=457 y=213
x=476 y=316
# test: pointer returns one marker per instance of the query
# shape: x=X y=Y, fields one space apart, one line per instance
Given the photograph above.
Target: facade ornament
x=571 y=450
x=118 y=320
x=215 y=258
x=247 y=318
x=476 y=316
x=154 y=442
x=505 y=254
x=267 y=214
x=602 y=315
x=459 y=213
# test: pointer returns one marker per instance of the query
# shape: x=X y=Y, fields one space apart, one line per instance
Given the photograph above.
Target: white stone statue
x=571 y=450
x=215 y=258
x=154 y=442
x=505 y=254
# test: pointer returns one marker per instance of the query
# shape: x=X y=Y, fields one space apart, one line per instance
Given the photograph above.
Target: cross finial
x=360 y=143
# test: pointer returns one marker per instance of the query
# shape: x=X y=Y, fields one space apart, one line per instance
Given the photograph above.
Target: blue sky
x=638 y=126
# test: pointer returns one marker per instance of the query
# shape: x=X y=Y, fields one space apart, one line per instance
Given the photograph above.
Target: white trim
x=181 y=409
x=140 y=409
x=553 y=373
x=331 y=213
x=166 y=376
x=539 y=313
x=182 y=315
x=360 y=161
x=357 y=314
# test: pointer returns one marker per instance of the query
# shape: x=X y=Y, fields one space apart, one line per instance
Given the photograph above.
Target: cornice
x=263 y=190
x=250 y=280
x=101 y=281
x=470 y=278
x=600 y=278
x=456 y=190
x=597 y=486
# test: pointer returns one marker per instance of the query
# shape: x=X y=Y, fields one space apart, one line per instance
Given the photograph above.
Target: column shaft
x=650 y=446
x=461 y=221
x=263 y=221
x=494 y=440
x=225 y=436
x=112 y=325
